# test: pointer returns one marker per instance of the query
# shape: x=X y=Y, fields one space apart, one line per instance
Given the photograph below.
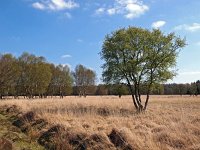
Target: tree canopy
x=83 y=78
x=140 y=58
x=30 y=76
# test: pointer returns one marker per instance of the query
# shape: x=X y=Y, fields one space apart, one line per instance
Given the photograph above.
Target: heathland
x=170 y=122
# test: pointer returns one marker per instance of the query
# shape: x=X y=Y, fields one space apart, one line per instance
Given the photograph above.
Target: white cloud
x=111 y=11
x=135 y=10
x=55 y=5
x=192 y=27
x=100 y=11
x=38 y=5
x=66 y=56
x=128 y=8
x=158 y=24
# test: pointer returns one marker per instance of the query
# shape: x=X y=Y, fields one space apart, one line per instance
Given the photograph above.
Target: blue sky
x=72 y=31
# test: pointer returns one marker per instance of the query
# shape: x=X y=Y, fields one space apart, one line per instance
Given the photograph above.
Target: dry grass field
x=170 y=122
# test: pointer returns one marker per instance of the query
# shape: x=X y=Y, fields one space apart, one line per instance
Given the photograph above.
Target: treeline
x=32 y=76
x=182 y=89
x=162 y=89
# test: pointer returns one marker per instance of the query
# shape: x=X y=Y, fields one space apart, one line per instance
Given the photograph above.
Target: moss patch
x=14 y=135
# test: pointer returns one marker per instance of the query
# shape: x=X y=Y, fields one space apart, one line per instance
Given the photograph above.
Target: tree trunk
x=146 y=102
x=138 y=98
x=134 y=102
x=133 y=97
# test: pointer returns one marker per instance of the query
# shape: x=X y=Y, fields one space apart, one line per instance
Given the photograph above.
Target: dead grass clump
x=149 y=124
x=30 y=124
x=82 y=141
x=39 y=124
x=158 y=129
x=103 y=111
x=141 y=127
x=25 y=121
x=5 y=144
x=168 y=140
x=175 y=119
x=196 y=131
x=99 y=142
x=195 y=147
x=196 y=121
x=26 y=118
x=77 y=139
x=119 y=140
x=12 y=109
x=54 y=138
x=125 y=112
x=86 y=126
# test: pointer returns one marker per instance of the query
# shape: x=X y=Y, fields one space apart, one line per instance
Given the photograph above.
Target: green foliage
x=61 y=81
x=140 y=57
x=9 y=73
x=35 y=75
x=118 y=89
x=31 y=76
x=102 y=90
x=83 y=78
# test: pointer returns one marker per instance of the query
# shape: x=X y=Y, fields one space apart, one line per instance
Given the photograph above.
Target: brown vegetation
x=5 y=144
x=171 y=122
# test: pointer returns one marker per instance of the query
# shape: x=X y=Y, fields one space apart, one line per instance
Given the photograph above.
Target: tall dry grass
x=170 y=122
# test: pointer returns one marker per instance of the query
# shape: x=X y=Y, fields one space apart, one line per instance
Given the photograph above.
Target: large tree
x=9 y=73
x=35 y=75
x=140 y=58
x=61 y=81
x=83 y=78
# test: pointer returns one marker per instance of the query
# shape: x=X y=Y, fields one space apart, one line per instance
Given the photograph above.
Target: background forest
x=32 y=76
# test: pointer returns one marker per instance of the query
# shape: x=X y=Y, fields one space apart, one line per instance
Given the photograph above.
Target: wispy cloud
x=100 y=11
x=189 y=27
x=55 y=5
x=79 y=40
x=38 y=5
x=111 y=11
x=66 y=56
x=128 y=8
x=158 y=24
